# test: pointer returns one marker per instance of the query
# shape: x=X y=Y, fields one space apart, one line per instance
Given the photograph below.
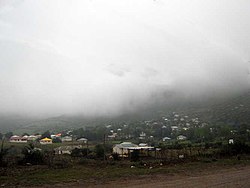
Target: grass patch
x=100 y=171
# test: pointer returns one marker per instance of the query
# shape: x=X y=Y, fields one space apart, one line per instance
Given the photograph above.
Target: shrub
x=99 y=150
x=61 y=162
x=115 y=156
x=80 y=152
x=135 y=155
x=235 y=149
x=32 y=155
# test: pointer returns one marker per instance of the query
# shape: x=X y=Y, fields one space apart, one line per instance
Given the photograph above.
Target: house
x=66 y=149
x=230 y=141
x=185 y=128
x=125 y=148
x=67 y=139
x=181 y=137
x=166 y=139
x=46 y=141
x=113 y=136
x=142 y=136
x=32 y=138
x=82 y=140
x=143 y=145
x=174 y=128
x=18 y=139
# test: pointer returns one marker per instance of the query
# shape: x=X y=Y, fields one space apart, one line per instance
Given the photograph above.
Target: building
x=67 y=139
x=230 y=141
x=113 y=136
x=46 y=141
x=125 y=148
x=33 y=137
x=82 y=140
x=181 y=137
x=174 y=128
x=66 y=149
x=142 y=136
x=166 y=139
x=18 y=139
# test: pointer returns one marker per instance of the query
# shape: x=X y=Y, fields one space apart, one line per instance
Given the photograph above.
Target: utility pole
x=104 y=145
x=87 y=148
x=1 y=151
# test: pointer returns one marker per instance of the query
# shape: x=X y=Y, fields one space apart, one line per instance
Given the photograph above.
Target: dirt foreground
x=230 y=178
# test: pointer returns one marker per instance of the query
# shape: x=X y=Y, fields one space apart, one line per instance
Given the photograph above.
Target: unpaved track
x=230 y=178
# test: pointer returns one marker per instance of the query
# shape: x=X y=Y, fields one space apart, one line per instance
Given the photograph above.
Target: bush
x=61 y=162
x=135 y=155
x=80 y=152
x=235 y=149
x=32 y=155
x=115 y=156
x=56 y=140
x=99 y=150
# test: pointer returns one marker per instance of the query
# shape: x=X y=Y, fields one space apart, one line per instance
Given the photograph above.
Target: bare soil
x=230 y=178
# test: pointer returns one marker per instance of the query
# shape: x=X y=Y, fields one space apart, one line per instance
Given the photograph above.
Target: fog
x=108 y=57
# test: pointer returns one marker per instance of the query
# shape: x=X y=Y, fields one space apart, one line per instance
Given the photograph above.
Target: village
x=147 y=138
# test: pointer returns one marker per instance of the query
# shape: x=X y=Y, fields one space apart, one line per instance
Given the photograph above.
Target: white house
x=174 y=128
x=125 y=148
x=66 y=149
x=143 y=145
x=18 y=139
x=32 y=137
x=82 y=140
x=166 y=139
x=181 y=137
x=112 y=136
x=67 y=139
x=230 y=141
x=142 y=136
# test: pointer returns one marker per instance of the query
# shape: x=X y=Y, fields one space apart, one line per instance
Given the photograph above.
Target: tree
x=32 y=155
x=80 y=152
x=8 y=135
x=46 y=134
x=3 y=152
x=99 y=150
x=135 y=155
x=56 y=140
x=79 y=133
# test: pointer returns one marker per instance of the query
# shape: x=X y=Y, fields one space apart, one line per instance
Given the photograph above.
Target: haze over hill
x=109 y=58
x=231 y=111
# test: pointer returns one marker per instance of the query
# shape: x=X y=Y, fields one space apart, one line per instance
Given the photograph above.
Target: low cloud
x=109 y=57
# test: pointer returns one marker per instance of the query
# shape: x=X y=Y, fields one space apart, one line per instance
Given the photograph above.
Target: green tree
x=32 y=155
x=56 y=140
x=3 y=153
x=99 y=150
x=135 y=155
x=80 y=152
x=46 y=134
x=8 y=135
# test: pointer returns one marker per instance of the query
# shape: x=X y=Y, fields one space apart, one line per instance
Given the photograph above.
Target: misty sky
x=105 y=57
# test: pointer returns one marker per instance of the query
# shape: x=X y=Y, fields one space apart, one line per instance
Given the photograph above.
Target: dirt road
x=230 y=178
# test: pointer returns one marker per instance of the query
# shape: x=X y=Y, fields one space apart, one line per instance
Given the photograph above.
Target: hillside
x=235 y=110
